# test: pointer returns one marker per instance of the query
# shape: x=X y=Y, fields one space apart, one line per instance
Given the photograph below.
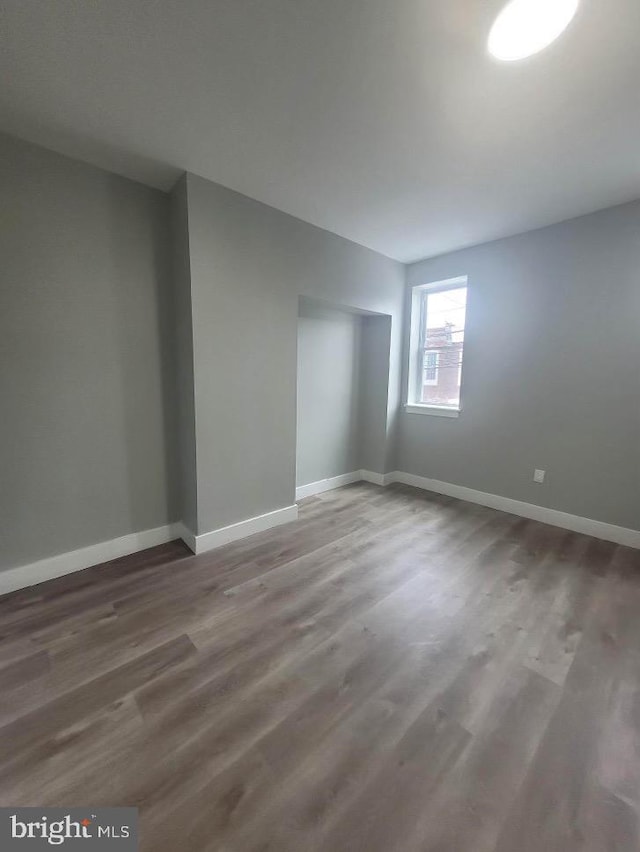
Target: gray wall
x=328 y=423
x=85 y=353
x=551 y=372
x=186 y=479
x=105 y=368
x=376 y=432
x=249 y=263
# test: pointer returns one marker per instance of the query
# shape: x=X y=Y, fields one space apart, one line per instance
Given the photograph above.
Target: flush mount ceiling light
x=526 y=26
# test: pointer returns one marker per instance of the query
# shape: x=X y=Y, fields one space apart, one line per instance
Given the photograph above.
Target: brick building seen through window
x=442 y=342
x=442 y=370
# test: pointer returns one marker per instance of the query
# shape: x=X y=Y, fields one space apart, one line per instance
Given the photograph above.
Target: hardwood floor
x=395 y=671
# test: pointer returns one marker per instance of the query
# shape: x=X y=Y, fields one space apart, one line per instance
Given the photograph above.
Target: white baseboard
x=344 y=479
x=376 y=478
x=188 y=537
x=77 y=560
x=587 y=526
x=85 y=557
x=225 y=535
x=327 y=484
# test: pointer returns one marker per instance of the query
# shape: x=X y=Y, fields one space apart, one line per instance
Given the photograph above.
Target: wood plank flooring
x=395 y=671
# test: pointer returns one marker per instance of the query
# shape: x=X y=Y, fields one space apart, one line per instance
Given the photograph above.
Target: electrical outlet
x=538 y=475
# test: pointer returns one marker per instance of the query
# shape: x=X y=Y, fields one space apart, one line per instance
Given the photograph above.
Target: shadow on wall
x=342 y=390
x=144 y=342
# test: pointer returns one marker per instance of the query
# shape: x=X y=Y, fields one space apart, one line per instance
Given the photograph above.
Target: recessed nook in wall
x=342 y=397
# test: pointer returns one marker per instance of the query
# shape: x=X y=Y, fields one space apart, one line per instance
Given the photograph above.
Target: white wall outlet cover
x=538 y=475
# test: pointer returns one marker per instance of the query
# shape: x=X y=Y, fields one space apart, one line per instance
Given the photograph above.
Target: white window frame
x=417 y=332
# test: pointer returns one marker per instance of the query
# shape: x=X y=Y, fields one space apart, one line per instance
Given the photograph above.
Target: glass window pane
x=444 y=318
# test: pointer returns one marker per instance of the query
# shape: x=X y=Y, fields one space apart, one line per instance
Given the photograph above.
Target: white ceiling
x=386 y=122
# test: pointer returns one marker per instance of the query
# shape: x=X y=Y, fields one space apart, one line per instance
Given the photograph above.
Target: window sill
x=436 y=410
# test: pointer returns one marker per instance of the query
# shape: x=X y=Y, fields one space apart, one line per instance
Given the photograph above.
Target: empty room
x=320 y=425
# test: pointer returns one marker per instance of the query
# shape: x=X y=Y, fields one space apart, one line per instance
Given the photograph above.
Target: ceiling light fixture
x=524 y=27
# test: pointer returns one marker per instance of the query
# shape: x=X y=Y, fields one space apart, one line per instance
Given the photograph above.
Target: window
x=431 y=359
x=437 y=346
